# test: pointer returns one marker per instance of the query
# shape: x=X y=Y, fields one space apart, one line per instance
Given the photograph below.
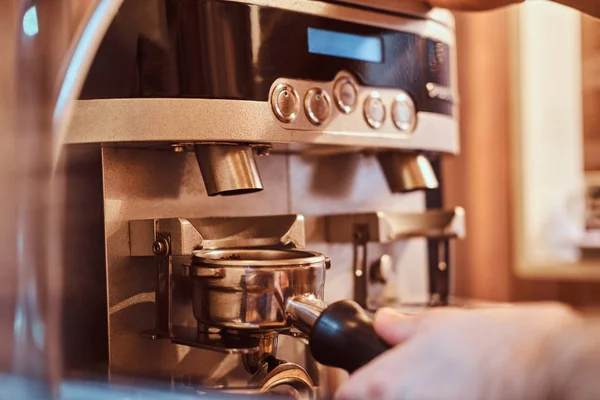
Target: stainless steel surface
x=267 y=347
x=285 y=103
x=146 y=121
x=385 y=227
x=232 y=344
x=345 y=93
x=228 y=169
x=408 y=8
x=187 y=235
x=142 y=235
x=404 y=113
x=259 y=258
x=304 y=311
x=160 y=247
x=418 y=17
x=317 y=105
x=406 y=172
x=90 y=19
x=252 y=231
x=374 y=110
x=255 y=287
x=375 y=104
x=327 y=187
x=284 y=379
x=158 y=185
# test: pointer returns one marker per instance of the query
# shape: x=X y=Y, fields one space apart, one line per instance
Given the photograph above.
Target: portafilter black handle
x=340 y=335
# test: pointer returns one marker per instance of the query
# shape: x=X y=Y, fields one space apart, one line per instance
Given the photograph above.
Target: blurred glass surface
x=79 y=390
x=44 y=46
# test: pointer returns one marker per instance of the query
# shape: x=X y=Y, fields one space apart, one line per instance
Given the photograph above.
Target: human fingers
x=375 y=380
x=394 y=327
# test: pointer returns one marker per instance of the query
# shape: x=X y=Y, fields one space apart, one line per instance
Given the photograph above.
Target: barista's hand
x=492 y=354
x=471 y=5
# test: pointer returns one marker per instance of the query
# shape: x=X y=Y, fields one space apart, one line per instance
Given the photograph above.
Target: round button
x=404 y=113
x=317 y=105
x=345 y=94
x=285 y=103
x=374 y=110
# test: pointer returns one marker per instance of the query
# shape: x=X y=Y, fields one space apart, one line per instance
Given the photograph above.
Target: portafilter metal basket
x=267 y=290
x=247 y=289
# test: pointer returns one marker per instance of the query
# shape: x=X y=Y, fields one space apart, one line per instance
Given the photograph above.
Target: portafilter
x=261 y=290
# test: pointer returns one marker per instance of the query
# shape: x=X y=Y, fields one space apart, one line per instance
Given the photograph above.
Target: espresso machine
x=247 y=181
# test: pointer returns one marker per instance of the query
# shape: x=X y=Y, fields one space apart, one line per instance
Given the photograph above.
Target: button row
x=404 y=113
x=286 y=102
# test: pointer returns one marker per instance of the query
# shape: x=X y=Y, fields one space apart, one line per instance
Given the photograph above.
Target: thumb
x=394 y=327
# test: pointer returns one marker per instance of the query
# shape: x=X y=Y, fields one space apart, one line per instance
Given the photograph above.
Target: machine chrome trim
x=257 y=258
x=350 y=82
x=430 y=27
x=406 y=172
x=251 y=286
x=186 y=235
x=227 y=169
x=278 y=110
x=388 y=227
x=373 y=121
x=134 y=121
x=407 y=7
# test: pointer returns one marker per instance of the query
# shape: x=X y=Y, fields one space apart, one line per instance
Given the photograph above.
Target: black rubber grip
x=344 y=337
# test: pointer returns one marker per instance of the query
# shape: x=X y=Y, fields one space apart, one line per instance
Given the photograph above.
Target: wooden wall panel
x=591 y=92
x=479 y=179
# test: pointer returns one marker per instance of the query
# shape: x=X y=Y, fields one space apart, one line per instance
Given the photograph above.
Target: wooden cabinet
x=590 y=29
x=556 y=103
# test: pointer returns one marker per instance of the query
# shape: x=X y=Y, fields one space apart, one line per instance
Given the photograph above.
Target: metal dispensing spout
x=228 y=169
x=340 y=334
x=406 y=172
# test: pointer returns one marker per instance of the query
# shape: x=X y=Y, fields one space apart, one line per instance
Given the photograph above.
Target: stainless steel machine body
x=227 y=128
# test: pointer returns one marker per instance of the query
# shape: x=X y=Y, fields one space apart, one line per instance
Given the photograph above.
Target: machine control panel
x=285 y=103
x=374 y=111
x=349 y=108
x=346 y=94
x=404 y=113
x=317 y=105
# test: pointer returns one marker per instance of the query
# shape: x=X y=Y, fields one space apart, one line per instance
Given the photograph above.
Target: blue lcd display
x=345 y=45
